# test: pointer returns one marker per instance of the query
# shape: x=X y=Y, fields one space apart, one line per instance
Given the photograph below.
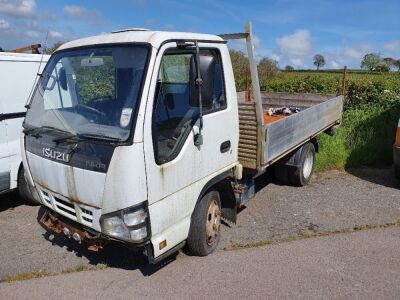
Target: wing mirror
x=62 y=77
x=207 y=72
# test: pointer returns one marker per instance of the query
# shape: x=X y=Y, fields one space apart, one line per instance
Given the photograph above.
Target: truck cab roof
x=155 y=38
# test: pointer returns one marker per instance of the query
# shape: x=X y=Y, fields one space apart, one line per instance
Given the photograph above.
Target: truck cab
x=117 y=141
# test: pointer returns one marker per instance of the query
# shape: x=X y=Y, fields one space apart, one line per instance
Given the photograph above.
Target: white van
x=18 y=73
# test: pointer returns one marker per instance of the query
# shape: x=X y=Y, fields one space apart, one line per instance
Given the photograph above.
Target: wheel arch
x=222 y=184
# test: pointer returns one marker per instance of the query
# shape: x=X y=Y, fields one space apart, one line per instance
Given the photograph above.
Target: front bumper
x=95 y=240
x=58 y=224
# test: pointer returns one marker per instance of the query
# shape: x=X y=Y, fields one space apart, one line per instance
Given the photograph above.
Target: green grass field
x=371 y=113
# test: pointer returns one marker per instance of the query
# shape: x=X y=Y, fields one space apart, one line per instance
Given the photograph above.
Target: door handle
x=225 y=146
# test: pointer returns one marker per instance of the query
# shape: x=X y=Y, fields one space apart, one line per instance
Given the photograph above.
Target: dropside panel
x=288 y=133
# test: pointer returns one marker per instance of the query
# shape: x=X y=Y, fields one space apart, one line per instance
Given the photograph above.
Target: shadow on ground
x=381 y=176
x=10 y=201
x=114 y=255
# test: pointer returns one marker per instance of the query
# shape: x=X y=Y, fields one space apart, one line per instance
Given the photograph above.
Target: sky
x=291 y=32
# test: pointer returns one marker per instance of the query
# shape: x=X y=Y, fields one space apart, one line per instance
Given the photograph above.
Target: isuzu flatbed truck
x=140 y=137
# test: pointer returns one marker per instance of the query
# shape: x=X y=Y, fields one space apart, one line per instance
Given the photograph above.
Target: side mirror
x=207 y=72
x=62 y=77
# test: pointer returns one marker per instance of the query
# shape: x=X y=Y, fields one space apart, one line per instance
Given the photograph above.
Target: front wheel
x=204 y=232
x=302 y=174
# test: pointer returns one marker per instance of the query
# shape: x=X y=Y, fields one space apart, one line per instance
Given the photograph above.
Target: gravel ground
x=333 y=201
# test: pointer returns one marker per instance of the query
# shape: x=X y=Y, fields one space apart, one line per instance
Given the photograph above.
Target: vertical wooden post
x=344 y=81
x=248 y=96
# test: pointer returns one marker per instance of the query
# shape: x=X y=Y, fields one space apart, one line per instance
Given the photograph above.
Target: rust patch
x=55 y=225
x=70 y=177
x=270 y=119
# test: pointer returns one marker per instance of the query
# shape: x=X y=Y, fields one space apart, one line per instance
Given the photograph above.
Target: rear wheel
x=23 y=189
x=302 y=175
x=204 y=232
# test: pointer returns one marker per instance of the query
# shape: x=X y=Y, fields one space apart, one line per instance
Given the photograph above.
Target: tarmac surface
x=358 y=265
x=360 y=262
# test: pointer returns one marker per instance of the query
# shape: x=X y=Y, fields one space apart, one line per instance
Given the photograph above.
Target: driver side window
x=173 y=116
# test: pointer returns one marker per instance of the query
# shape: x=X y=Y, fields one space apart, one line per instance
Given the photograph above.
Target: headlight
x=127 y=224
x=114 y=226
x=135 y=218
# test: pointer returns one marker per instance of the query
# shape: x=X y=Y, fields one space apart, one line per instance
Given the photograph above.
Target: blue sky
x=288 y=31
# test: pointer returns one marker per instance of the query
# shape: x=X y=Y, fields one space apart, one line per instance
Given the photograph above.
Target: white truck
x=140 y=137
x=18 y=74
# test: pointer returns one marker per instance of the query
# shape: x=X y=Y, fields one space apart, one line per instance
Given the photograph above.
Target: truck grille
x=66 y=208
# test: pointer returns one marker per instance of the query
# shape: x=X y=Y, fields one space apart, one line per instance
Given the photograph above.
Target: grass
x=40 y=274
x=311 y=235
x=364 y=139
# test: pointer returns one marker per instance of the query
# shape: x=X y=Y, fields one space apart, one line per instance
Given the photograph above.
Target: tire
x=301 y=175
x=23 y=189
x=204 y=233
x=281 y=173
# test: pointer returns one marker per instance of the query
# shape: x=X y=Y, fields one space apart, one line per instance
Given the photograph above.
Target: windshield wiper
x=34 y=131
x=86 y=136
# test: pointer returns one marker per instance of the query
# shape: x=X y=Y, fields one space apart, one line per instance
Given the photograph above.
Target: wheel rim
x=308 y=165
x=213 y=222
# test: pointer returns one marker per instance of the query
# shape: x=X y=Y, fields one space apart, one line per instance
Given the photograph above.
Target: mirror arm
x=199 y=82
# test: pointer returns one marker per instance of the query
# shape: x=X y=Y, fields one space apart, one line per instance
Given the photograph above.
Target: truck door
x=176 y=168
x=4 y=153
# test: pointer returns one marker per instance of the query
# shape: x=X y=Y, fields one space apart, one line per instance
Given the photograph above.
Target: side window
x=219 y=98
x=173 y=116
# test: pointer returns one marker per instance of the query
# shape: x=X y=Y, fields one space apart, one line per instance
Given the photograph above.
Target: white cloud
x=18 y=8
x=296 y=44
x=356 y=53
x=297 y=62
x=76 y=11
x=334 y=64
x=392 y=46
x=259 y=48
x=55 y=34
x=32 y=34
x=4 y=24
x=84 y=14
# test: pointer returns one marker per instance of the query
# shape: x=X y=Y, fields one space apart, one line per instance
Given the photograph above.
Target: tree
x=381 y=67
x=240 y=63
x=319 y=61
x=52 y=49
x=267 y=67
x=397 y=65
x=370 y=60
x=390 y=62
x=289 y=68
x=1 y=49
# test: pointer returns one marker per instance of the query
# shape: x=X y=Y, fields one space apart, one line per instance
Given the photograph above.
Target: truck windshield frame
x=95 y=89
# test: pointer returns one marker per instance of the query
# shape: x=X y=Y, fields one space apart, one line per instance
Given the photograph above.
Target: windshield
x=92 y=91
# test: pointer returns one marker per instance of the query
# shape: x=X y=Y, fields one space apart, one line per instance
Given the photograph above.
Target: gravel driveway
x=334 y=201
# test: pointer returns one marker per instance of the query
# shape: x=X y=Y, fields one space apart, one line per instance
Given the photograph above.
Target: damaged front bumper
x=58 y=224
x=96 y=241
